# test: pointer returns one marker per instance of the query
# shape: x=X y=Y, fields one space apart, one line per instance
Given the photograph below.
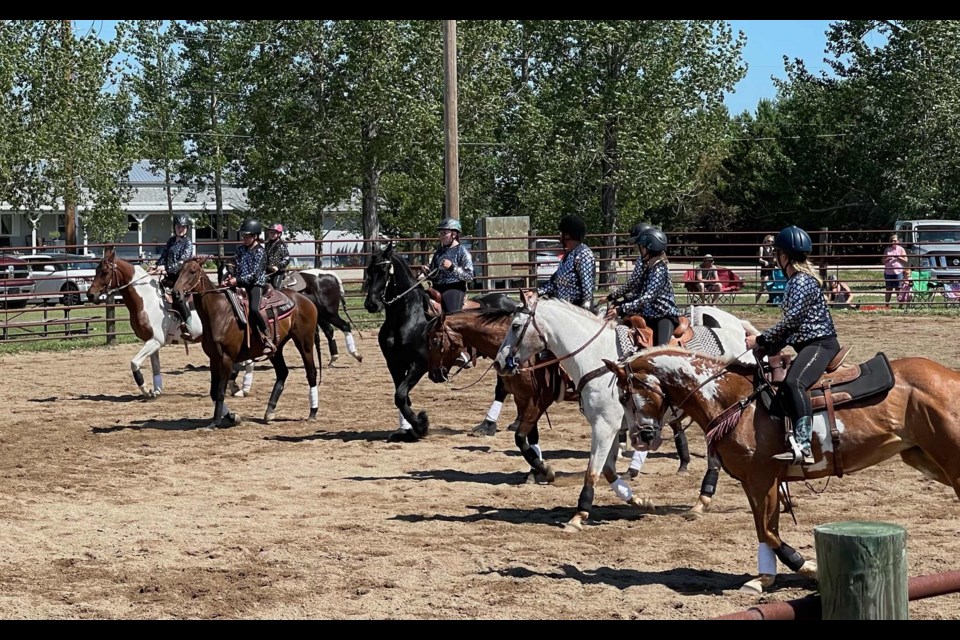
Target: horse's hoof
x=809 y=569
x=531 y=477
x=550 y=476
x=758 y=584
x=574 y=526
x=402 y=435
x=312 y=417
x=633 y=473
x=358 y=357
x=645 y=504
x=485 y=428
x=333 y=359
x=683 y=471
x=513 y=426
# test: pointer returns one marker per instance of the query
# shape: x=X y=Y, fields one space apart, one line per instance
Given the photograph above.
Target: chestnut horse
x=483 y=329
x=918 y=418
x=151 y=318
x=224 y=341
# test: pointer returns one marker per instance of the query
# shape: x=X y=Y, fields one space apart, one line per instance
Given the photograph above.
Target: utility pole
x=451 y=155
x=70 y=188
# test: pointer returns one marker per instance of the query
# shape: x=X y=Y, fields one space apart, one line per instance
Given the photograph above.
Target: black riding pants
x=452 y=295
x=811 y=361
x=662 y=329
x=254 y=295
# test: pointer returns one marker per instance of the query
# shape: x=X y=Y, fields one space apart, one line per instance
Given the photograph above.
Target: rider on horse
x=453 y=265
x=649 y=293
x=278 y=256
x=807 y=326
x=573 y=280
x=175 y=252
x=250 y=263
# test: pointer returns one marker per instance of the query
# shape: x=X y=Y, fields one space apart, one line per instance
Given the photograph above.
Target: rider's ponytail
x=806 y=267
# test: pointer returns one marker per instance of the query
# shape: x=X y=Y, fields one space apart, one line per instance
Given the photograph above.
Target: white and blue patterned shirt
x=277 y=254
x=805 y=315
x=250 y=266
x=462 y=269
x=573 y=280
x=175 y=252
x=657 y=299
x=634 y=283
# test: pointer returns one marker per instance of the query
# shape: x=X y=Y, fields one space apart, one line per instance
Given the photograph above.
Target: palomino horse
x=391 y=287
x=917 y=418
x=582 y=341
x=483 y=329
x=225 y=342
x=151 y=318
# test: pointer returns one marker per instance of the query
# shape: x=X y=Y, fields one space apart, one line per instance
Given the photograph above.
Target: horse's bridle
x=115 y=275
x=511 y=362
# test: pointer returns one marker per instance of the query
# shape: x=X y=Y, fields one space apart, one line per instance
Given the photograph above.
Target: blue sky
x=767 y=42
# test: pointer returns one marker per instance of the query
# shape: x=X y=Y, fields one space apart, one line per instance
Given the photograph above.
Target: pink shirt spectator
x=894 y=259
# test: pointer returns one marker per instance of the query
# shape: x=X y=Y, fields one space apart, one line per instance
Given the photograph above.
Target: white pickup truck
x=932 y=245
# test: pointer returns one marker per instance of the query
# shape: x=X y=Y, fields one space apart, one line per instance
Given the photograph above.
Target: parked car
x=60 y=277
x=549 y=253
x=14 y=281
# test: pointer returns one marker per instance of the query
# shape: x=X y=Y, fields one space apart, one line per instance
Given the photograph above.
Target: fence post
x=532 y=246
x=862 y=570
x=111 y=326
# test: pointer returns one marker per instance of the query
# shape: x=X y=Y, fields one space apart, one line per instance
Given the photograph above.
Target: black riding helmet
x=574 y=226
x=251 y=225
x=637 y=230
x=181 y=220
x=794 y=241
x=654 y=240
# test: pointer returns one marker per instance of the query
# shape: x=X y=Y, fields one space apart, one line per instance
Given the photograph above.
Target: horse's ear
x=388 y=250
x=618 y=371
x=529 y=297
x=110 y=253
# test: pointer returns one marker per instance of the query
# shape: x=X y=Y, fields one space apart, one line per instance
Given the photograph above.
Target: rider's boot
x=799 y=443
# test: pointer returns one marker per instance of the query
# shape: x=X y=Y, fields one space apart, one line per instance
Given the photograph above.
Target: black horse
x=391 y=286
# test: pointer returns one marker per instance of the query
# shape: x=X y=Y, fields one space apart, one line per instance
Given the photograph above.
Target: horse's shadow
x=184 y=424
x=452 y=475
x=343 y=436
x=682 y=580
x=100 y=397
x=557 y=454
x=554 y=517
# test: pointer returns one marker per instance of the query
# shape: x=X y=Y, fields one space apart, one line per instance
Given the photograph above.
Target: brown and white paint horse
x=918 y=418
x=151 y=318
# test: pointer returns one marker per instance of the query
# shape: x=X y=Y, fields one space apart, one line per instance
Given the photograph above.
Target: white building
x=150 y=223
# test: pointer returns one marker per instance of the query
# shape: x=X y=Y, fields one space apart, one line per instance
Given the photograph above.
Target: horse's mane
x=586 y=313
x=734 y=365
x=489 y=315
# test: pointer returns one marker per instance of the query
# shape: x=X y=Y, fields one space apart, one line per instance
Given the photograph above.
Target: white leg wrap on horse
x=351 y=345
x=314 y=398
x=638 y=459
x=157 y=381
x=248 y=379
x=494 y=411
x=404 y=425
x=536 y=448
x=766 y=559
x=622 y=489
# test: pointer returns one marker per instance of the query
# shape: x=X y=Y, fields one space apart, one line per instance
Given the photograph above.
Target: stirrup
x=796 y=455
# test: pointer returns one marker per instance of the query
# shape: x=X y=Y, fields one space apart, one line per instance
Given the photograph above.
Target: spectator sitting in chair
x=707 y=279
x=839 y=295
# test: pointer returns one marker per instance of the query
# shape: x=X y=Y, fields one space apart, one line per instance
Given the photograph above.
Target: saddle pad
x=625 y=344
x=875 y=377
x=705 y=340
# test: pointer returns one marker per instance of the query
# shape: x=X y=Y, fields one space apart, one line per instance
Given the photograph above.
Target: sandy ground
x=113 y=507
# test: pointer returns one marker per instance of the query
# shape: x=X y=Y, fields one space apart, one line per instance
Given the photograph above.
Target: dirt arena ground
x=112 y=507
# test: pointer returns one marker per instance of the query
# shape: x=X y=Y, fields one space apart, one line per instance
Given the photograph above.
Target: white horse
x=565 y=329
x=152 y=319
